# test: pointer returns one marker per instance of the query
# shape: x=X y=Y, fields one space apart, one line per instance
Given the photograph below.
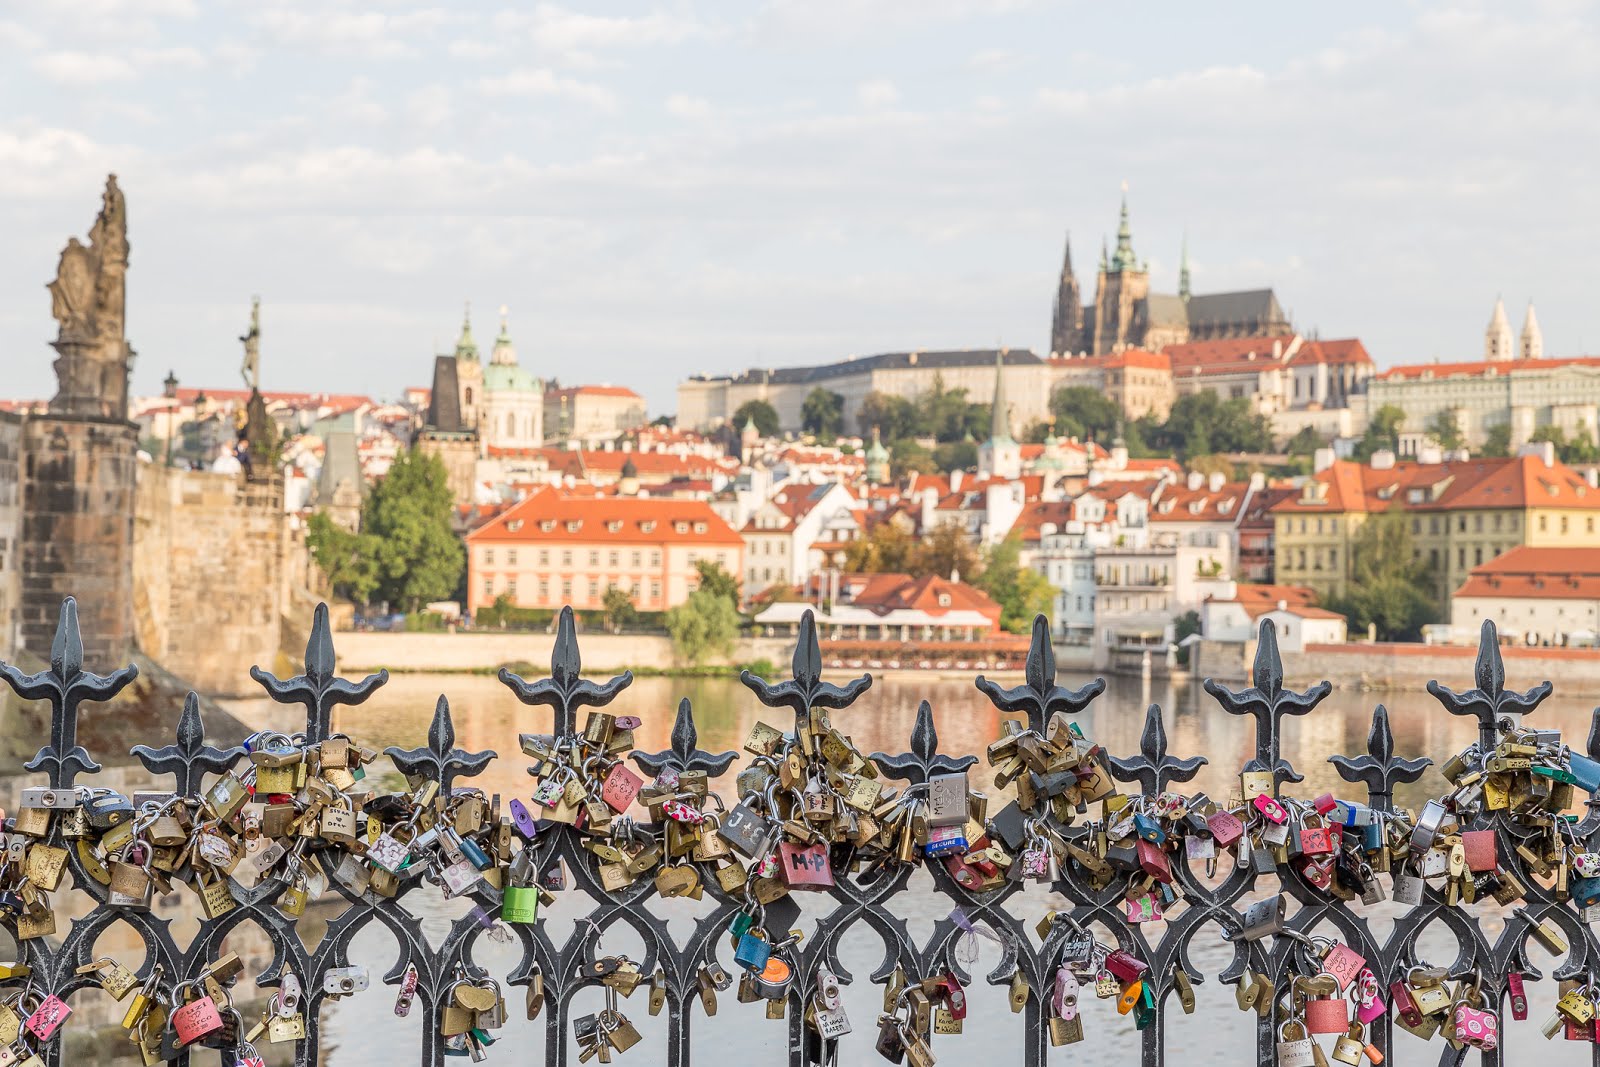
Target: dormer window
x=699 y=527
x=681 y=526
x=514 y=525
x=547 y=525
x=574 y=525
x=613 y=525
x=647 y=526
x=944 y=600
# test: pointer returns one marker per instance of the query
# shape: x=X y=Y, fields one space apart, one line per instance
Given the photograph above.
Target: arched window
x=469 y=396
x=511 y=425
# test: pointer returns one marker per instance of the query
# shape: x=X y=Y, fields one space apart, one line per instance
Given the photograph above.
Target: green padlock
x=520 y=904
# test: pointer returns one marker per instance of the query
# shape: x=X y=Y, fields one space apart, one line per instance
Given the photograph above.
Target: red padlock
x=1404 y=1006
x=1327 y=1015
x=955 y=997
x=1318 y=870
x=47 y=1018
x=1517 y=995
x=1316 y=840
x=195 y=1020
x=1482 y=852
x=805 y=867
x=1153 y=860
x=1225 y=827
x=1125 y=965
x=621 y=786
x=966 y=877
x=1270 y=809
x=1325 y=803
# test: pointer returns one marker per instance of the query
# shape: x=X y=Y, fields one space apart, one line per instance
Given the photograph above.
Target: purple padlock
x=627 y=722
x=523 y=820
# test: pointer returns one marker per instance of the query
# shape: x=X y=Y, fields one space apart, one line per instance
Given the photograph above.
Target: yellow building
x=1460 y=514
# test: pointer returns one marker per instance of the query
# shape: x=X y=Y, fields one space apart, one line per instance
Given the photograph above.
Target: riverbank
x=1405 y=667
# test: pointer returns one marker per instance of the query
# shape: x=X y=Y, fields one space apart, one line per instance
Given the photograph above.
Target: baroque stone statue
x=88 y=300
x=251 y=368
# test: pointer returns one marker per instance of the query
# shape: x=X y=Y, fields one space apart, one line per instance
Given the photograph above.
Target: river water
x=363 y=1030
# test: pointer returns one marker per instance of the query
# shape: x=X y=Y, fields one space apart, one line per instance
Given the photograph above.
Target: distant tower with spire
x=1532 y=344
x=469 y=373
x=1121 y=290
x=1497 y=342
x=1066 y=320
x=1000 y=456
x=1183 y=271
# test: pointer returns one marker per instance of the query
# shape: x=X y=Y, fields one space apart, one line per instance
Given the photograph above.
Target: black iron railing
x=1211 y=907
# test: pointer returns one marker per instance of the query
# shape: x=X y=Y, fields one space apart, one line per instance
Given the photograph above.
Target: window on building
x=1461 y=557
x=614 y=557
x=1563 y=524
x=1544 y=523
x=655 y=557
x=488 y=557
x=511 y=588
x=1433 y=557
x=1477 y=524
x=1416 y=526
x=635 y=558
x=1333 y=559
x=594 y=588
x=566 y=557
x=488 y=588
x=1461 y=524
x=1477 y=555
x=544 y=589
x=1498 y=520
x=566 y=589
x=511 y=557
x=655 y=590
x=544 y=557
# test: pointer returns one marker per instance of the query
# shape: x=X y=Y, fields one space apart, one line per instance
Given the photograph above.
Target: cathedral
x=1126 y=314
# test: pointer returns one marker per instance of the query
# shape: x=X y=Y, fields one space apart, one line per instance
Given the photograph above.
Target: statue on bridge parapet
x=88 y=301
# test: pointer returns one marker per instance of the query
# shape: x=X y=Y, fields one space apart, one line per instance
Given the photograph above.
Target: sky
x=659 y=190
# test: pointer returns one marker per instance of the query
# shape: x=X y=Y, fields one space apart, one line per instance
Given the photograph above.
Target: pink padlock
x=195 y=1020
x=1270 y=809
x=1476 y=1027
x=1066 y=995
x=48 y=1017
x=1344 y=963
x=620 y=787
x=1369 y=998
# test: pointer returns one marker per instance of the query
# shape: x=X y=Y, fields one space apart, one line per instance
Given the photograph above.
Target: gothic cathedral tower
x=1066 y=322
x=1121 y=289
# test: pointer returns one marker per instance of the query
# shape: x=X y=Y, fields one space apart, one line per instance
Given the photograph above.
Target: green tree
x=1383 y=432
x=955 y=456
x=1304 y=443
x=1081 y=411
x=1444 y=429
x=1021 y=592
x=947 y=415
x=1580 y=449
x=907 y=456
x=1390 y=587
x=1497 y=442
x=1213 y=464
x=946 y=550
x=407 y=514
x=823 y=414
x=619 y=608
x=894 y=416
x=1201 y=423
x=1185 y=625
x=703 y=625
x=718 y=581
x=887 y=549
x=763 y=414
x=348 y=560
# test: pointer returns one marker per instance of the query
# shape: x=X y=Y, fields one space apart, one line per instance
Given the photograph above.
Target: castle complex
x=1126 y=314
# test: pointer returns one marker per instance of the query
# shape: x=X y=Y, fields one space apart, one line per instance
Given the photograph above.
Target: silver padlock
x=1294 y=1047
x=1407 y=887
x=342 y=981
x=1263 y=919
x=1427 y=828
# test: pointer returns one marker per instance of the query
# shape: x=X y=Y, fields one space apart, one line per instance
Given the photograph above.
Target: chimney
x=1283 y=605
x=1216 y=481
x=1322 y=459
x=955 y=481
x=1195 y=480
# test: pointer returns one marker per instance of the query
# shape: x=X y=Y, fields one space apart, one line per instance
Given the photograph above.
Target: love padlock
x=195 y=1020
x=47 y=1018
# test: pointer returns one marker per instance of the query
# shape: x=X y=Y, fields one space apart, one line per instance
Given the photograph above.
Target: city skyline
x=658 y=192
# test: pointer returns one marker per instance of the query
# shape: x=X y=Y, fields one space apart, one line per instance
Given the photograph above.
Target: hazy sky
x=657 y=190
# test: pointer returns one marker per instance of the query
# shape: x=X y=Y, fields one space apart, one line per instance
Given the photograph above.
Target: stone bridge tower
x=79 y=465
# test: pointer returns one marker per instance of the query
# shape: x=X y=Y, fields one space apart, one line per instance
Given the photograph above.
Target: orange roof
x=1230 y=352
x=1520 y=482
x=1155 y=465
x=883 y=593
x=550 y=515
x=1345 y=350
x=595 y=459
x=1544 y=573
x=1035 y=515
x=1181 y=504
x=1257 y=600
x=1128 y=357
x=1480 y=368
x=595 y=390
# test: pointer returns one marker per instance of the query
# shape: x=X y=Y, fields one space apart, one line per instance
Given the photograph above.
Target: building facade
x=551 y=549
x=592 y=412
x=1536 y=596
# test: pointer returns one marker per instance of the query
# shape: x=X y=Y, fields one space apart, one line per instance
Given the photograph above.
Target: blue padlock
x=475 y=854
x=1149 y=829
x=1372 y=837
x=1585 y=772
x=754 y=950
x=1586 y=891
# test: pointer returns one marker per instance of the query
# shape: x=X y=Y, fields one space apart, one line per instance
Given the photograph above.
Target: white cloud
x=683 y=106
x=83 y=68
x=577 y=37
x=430 y=106
x=178 y=57
x=15 y=35
x=995 y=60
x=40 y=161
x=373 y=34
x=877 y=94
x=540 y=81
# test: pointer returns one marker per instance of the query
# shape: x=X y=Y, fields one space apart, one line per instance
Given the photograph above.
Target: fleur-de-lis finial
x=923 y=761
x=439 y=760
x=65 y=685
x=1153 y=769
x=189 y=759
x=685 y=753
x=806 y=690
x=1040 y=697
x=1380 y=768
x=1268 y=701
x=318 y=689
x=565 y=690
x=1491 y=700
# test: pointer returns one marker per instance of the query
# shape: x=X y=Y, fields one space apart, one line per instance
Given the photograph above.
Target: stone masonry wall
x=77 y=531
x=208 y=574
x=10 y=531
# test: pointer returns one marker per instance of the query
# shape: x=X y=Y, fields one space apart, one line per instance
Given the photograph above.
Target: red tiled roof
x=1035 y=515
x=1257 y=600
x=1520 y=482
x=1344 y=350
x=646 y=463
x=595 y=390
x=1128 y=357
x=883 y=593
x=1479 y=368
x=1542 y=573
x=549 y=515
x=1227 y=354
x=342 y=401
x=1181 y=504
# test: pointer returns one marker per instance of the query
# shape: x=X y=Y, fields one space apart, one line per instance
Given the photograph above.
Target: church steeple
x=1066 y=320
x=1000 y=456
x=504 y=352
x=1000 y=411
x=1497 y=338
x=1532 y=346
x=466 y=347
x=1125 y=259
x=1183 y=270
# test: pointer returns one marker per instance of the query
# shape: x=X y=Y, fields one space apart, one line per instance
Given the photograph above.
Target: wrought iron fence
x=1211 y=909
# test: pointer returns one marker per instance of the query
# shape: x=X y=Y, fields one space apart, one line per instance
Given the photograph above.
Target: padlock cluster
x=914 y=1010
x=601 y=1033
x=1113 y=973
x=470 y=1007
